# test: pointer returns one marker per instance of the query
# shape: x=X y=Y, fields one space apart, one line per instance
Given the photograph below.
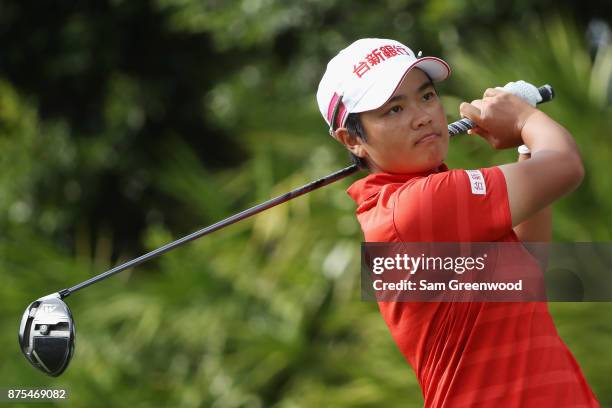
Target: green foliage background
x=124 y=125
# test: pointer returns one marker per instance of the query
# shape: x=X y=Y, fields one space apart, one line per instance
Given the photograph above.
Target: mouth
x=428 y=137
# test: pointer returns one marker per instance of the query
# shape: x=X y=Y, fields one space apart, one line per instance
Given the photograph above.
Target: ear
x=354 y=144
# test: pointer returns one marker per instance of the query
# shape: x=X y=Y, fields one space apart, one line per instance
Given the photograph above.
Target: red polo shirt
x=467 y=354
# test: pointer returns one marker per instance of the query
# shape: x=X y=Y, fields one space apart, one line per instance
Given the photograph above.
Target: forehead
x=411 y=83
x=415 y=82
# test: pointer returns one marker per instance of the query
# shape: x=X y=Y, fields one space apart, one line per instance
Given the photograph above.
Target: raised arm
x=555 y=167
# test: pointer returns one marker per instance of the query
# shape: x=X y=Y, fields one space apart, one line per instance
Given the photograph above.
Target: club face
x=47 y=335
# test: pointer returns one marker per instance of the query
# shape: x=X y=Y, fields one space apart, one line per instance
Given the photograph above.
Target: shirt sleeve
x=454 y=206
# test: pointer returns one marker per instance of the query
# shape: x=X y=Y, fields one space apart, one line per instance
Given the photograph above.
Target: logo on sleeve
x=477 y=182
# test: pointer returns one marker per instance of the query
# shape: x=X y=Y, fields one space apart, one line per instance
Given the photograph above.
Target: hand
x=499 y=117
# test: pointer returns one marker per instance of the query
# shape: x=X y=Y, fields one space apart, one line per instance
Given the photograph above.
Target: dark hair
x=355 y=129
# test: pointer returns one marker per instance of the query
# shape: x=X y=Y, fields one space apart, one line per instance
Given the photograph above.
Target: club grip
x=547 y=93
x=463 y=125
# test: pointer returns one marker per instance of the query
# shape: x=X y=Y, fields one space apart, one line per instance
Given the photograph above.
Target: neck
x=437 y=169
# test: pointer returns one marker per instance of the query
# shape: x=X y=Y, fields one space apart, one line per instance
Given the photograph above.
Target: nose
x=422 y=117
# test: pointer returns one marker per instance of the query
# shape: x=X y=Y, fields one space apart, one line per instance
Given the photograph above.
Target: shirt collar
x=369 y=186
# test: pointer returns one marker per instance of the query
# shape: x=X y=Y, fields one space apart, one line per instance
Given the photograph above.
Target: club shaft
x=455 y=128
x=340 y=174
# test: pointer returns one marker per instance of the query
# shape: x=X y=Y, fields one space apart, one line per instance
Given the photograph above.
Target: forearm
x=542 y=134
x=537 y=228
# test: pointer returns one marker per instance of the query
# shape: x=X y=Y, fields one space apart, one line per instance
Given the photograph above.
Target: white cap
x=364 y=76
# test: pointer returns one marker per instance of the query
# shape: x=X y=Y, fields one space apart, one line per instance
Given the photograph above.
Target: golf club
x=47 y=332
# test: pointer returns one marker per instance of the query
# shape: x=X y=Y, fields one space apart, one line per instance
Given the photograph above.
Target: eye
x=395 y=110
x=429 y=95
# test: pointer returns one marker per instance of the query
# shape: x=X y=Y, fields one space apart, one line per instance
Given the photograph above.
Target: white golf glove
x=529 y=93
x=524 y=90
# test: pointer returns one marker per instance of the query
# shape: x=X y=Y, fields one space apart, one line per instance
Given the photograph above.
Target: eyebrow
x=421 y=88
x=425 y=85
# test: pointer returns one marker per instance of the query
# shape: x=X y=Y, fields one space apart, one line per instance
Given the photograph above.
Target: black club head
x=46 y=334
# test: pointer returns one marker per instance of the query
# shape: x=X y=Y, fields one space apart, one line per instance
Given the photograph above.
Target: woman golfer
x=380 y=102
